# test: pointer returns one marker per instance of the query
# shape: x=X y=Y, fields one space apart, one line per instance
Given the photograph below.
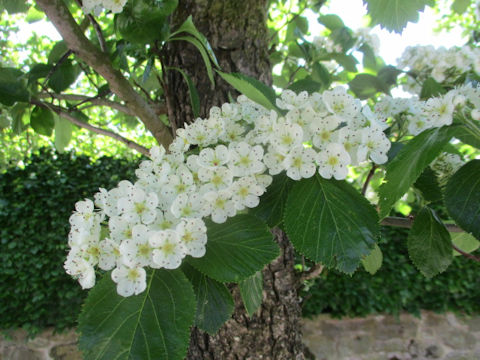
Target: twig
x=407 y=223
x=57 y=65
x=467 y=255
x=369 y=177
x=66 y=115
x=313 y=273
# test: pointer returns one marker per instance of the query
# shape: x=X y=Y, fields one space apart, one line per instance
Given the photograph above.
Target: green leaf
x=394 y=14
x=369 y=60
x=467 y=136
x=63 y=133
x=460 y=6
x=388 y=74
x=41 y=120
x=306 y=84
x=366 y=85
x=38 y=71
x=58 y=51
x=344 y=37
x=330 y=222
x=373 y=261
x=192 y=91
x=431 y=88
x=331 y=21
x=252 y=88
x=236 y=249
x=18 y=114
x=462 y=197
x=14 y=6
x=429 y=244
x=428 y=185
x=348 y=62
x=154 y=324
x=320 y=73
x=465 y=242
x=202 y=51
x=272 y=203
x=12 y=87
x=189 y=27
x=33 y=15
x=63 y=76
x=214 y=301
x=141 y=22
x=251 y=290
x=409 y=163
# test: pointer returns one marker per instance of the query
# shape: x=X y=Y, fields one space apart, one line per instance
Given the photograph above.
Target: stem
x=66 y=115
x=369 y=177
x=467 y=255
x=407 y=223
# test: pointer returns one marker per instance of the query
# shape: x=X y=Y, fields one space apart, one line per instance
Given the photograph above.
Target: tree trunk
x=238 y=35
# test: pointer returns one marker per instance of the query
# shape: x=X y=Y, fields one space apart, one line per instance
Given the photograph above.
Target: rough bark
x=237 y=33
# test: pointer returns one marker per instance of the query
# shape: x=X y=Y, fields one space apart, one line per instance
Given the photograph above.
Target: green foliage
x=396 y=287
x=429 y=243
x=12 y=86
x=409 y=163
x=373 y=261
x=214 y=301
x=251 y=290
x=42 y=121
x=252 y=88
x=394 y=14
x=35 y=204
x=462 y=197
x=330 y=222
x=236 y=249
x=272 y=203
x=141 y=326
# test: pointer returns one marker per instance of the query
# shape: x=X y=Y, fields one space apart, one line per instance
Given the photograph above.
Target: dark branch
x=66 y=115
x=369 y=177
x=467 y=255
x=407 y=223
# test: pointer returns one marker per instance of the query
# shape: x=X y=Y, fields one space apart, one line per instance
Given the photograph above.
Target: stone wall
x=384 y=337
x=380 y=337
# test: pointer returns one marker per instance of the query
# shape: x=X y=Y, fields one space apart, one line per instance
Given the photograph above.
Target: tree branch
x=66 y=115
x=313 y=273
x=94 y=100
x=407 y=223
x=60 y=16
x=467 y=255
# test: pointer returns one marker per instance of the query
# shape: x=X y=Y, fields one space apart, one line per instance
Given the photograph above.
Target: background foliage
x=35 y=204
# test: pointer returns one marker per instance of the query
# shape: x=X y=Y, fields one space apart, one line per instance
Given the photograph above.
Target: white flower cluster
x=443 y=65
x=324 y=42
x=445 y=165
x=158 y=220
x=96 y=6
x=435 y=112
x=365 y=36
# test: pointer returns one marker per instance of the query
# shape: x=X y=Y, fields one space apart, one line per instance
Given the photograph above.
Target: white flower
x=333 y=161
x=287 y=137
x=168 y=251
x=193 y=235
x=84 y=217
x=246 y=192
x=289 y=100
x=190 y=205
x=216 y=179
x=274 y=161
x=120 y=228
x=163 y=221
x=375 y=145
x=137 y=251
x=116 y=6
x=129 y=280
x=219 y=205
x=139 y=206
x=300 y=163
x=246 y=159
x=109 y=254
x=80 y=269
x=213 y=158
x=340 y=103
x=323 y=130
